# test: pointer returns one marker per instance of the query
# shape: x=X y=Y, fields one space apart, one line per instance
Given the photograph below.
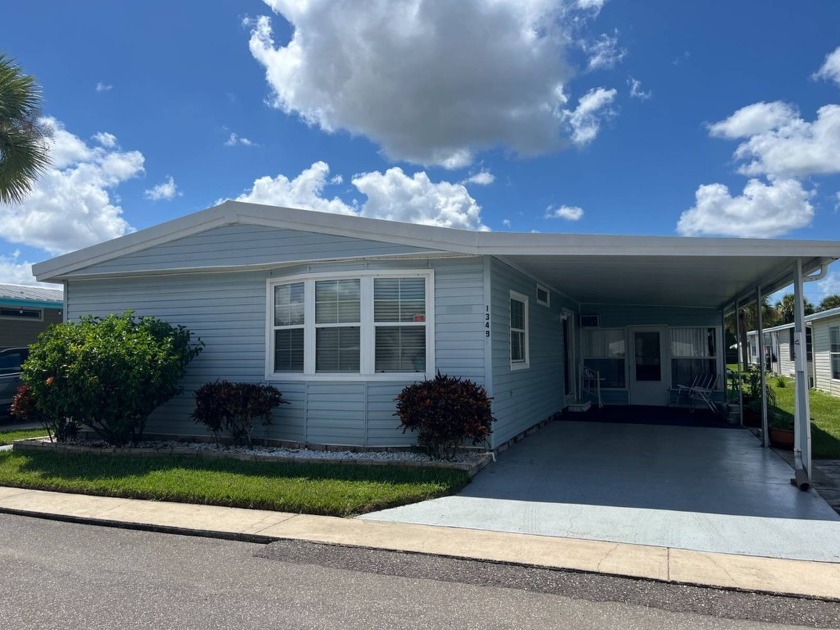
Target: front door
x=648 y=367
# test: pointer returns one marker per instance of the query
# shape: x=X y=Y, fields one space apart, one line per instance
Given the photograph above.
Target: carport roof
x=648 y=270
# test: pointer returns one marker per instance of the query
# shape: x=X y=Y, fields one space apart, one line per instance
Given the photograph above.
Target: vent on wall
x=590 y=321
x=543 y=296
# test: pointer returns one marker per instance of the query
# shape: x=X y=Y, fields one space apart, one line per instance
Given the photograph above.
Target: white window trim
x=831 y=354
x=520 y=365
x=366 y=334
x=547 y=301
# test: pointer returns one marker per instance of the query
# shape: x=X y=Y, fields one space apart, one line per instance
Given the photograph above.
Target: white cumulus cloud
x=584 y=122
x=830 y=285
x=570 y=213
x=779 y=143
x=482 y=178
x=761 y=211
x=166 y=190
x=830 y=70
x=391 y=195
x=604 y=52
x=70 y=205
x=636 y=90
x=430 y=82
x=15 y=271
x=235 y=139
x=103 y=87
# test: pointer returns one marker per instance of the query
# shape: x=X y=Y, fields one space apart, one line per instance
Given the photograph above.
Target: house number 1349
x=487 y=322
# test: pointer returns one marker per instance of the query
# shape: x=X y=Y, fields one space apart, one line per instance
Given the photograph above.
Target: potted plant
x=781 y=430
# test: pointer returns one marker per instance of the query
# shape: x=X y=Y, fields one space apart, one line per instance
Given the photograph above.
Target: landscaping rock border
x=471 y=462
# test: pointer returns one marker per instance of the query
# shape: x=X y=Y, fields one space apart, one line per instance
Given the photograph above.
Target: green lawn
x=7 y=437
x=330 y=489
x=825 y=416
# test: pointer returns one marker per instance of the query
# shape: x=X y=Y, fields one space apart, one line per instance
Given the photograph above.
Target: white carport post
x=738 y=347
x=802 y=418
x=762 y=363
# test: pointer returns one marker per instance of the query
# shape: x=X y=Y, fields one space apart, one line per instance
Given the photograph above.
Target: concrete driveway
x=707 y=489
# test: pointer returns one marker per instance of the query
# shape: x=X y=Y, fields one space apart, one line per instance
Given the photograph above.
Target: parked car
x=10 y=361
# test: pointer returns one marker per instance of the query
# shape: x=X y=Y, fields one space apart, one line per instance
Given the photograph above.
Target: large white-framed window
x=605 y=351
x=834 y=351
x=371 y=325
x=694 y=355
x=519 y=348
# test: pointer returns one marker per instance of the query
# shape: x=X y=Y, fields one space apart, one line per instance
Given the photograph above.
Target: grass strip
x=7 y=437
x=326 y=489
x=825 y=416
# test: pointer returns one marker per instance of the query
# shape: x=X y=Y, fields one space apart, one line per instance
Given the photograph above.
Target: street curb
x=268 y=539
x=143 y=527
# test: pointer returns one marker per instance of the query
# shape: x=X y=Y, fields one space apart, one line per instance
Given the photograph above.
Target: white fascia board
x=832 y=312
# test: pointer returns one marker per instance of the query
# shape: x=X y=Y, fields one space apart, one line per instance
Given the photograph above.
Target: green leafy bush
x=781 y=383
x=25 y=409
x=108 y=373
x=446 y=412
x=234 y=407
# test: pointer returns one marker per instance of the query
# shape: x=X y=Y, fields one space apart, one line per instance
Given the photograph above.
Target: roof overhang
x=591 y=269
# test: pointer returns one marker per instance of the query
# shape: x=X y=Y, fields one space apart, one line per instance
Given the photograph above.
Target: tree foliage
x=24 y=152
x=108 y=373
x=785 y=308
x=829 y=302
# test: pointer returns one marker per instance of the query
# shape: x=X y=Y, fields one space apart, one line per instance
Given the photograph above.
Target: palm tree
x=785 y=308
x=24 y=152
x=830 y=301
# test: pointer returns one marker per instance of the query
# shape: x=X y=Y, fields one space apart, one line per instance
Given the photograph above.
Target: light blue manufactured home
x=341 y=312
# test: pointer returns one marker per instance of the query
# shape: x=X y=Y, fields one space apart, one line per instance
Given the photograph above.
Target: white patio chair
x=683 y=390
x=703 y=392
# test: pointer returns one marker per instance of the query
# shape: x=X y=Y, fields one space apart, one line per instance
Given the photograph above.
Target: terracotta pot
x=781 y=438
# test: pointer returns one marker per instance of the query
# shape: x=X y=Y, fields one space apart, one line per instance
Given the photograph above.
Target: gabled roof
x=813 y=317
x=681 y=271
x=23 y=295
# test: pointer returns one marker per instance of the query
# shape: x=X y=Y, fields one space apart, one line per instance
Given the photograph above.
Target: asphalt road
x=62 y=575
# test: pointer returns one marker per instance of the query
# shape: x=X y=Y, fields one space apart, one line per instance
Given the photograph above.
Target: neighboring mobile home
x=823 y=349
x=26 y=311
x=341 y=312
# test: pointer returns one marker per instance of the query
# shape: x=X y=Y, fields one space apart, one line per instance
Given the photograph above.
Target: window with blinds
x=604 y=350
x=373 y=323
x=518 y=331
x=399 y=315
x=834 y=350
x=693 y=355
x=337 y=325
x=288 y=327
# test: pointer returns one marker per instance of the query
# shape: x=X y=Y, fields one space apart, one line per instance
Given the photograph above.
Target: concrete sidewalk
x=771 y=575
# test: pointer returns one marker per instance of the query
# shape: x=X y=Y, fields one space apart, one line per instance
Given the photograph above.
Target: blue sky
x=589 y=116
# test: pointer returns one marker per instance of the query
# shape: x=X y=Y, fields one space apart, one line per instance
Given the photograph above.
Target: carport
x=689 y=487
x=650 y=273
